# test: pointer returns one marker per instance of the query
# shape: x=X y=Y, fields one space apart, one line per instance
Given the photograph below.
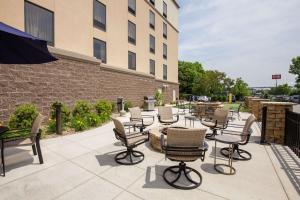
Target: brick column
x=275 y=122
x=248 y=102
x=257 y=107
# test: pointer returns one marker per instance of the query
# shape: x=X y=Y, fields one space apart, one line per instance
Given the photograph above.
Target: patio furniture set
x=178 y=143
x=182 y=144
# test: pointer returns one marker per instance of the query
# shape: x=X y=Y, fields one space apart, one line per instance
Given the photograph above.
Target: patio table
x=231 y=141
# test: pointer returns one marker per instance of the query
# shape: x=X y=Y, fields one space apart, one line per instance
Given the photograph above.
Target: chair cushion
x=208 y=124
x=139 y=137
x=168 y=121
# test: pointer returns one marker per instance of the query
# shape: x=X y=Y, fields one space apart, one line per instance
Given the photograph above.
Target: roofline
x=176 y=3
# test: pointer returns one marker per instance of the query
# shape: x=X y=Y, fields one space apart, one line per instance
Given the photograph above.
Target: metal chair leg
x=39 y=151
x=34 y=149
x=2 y=158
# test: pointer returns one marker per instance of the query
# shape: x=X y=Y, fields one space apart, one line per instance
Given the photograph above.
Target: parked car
x=203 y=98
x=295 y=98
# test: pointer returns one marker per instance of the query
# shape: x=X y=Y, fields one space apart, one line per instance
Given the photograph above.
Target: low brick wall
x=247 y=99
x=257 y=107
x=275 y=122
x=68 y=80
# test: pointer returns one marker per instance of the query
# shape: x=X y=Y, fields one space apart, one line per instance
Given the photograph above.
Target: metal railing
x=292 y=131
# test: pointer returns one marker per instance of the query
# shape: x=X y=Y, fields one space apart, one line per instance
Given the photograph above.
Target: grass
x=234 y=106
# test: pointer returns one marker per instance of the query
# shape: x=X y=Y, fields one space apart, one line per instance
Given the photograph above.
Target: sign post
x=276 y=77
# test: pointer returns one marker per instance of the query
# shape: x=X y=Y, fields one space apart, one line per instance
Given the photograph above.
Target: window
x=165 y=10
x=165 y=51
x=99 y=15
x=152 y=44
x=132 y=6
x=152 y=67
x=100 y=50
x=165 y=72
x=152 y=19
x=131 y=32
x=152 y=2
x=39 y=22
x=165 y=30
x=131 y=60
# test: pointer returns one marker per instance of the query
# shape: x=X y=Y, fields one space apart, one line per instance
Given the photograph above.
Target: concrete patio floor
x=82 y=166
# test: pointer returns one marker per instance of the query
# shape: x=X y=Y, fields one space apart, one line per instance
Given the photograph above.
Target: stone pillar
x=248 y=102
x=275 y=122
x=257 y=107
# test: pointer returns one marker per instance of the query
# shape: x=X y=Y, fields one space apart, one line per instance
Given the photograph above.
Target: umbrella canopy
x=18 y=47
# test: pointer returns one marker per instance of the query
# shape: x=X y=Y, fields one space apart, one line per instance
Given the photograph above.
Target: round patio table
x=231 y=141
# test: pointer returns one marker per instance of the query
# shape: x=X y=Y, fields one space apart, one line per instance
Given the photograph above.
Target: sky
x=251 y=39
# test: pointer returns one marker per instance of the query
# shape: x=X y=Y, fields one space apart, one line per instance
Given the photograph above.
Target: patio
x=82 y=166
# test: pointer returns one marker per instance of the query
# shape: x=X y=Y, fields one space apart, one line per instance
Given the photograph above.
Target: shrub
x=79 y=123
x=113 y=107
x=65 y=112
x=214 y=98
x=82 y=109
x=23 y=117
x=127 y=104
x=93 y=120
x=223 y=99
x=51 y=128
x=159 y=98
x=104 y=109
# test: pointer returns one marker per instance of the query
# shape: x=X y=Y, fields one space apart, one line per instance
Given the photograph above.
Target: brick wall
x=69 y=80
x=275 y=121
x=257 y=107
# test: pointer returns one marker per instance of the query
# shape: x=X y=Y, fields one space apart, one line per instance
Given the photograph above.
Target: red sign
x=276 y=76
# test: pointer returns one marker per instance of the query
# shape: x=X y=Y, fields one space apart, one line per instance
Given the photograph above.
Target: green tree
x=284 y=89
x=187 y=73
x=295 y=69
x=240 y=89
x=210 y=83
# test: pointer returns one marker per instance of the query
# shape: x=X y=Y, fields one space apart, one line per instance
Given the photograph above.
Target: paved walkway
x=82 y=166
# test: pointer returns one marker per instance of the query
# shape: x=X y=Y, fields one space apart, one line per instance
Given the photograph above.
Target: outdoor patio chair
x=219 y=121
x=130 y=140
x=24 y=137
x=237 y=112
x=183 y=145
x=244 y=137
x=166 y=116
x=140 y=120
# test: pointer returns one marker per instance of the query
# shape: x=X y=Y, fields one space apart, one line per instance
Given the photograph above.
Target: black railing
x=292 y=131
x=263 y=125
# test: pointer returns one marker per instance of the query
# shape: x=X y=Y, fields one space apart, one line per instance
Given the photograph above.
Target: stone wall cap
x=279 y=103
x=260 y=99
x=73 y=55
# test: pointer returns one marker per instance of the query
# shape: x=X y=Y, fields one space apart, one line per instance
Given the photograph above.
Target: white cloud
x=248 y=38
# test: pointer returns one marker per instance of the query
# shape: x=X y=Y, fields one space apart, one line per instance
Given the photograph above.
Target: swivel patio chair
x=237 y=112
x=130 y=140
x=166 y=116
x=219 y=121
x=140 y=120
x=24 y=137
x=244 y=137
x=184 y=145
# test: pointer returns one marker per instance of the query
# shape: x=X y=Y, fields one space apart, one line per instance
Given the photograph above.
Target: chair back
x=178 y=137
x=119 y=130
x=135 y=113
x=247 y=128
x=165 y=113
x=185 y=144
x=221 y=116
x=36 y=125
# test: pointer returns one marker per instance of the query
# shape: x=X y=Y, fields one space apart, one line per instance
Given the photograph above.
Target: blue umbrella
x=18 y=47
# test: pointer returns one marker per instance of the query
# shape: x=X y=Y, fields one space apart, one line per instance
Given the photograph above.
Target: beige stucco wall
x=172 y=11
x=74 y=31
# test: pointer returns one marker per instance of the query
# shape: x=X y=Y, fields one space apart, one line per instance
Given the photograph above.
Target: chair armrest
x=135 y=119
x=229 y=132
x=148 y=116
